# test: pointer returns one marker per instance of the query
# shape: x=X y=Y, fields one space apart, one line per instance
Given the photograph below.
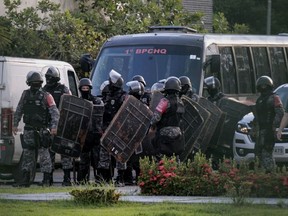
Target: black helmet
x=135 y=87
x=85 y=82
x=172 y=83
x=33 y=77
x=104 y=88
x=185 y=81
x=52 y=76
x=263 y=83
x=53 y=72
x=212 y=83
x=139 y=78
x=115 y=79
x=86 y=62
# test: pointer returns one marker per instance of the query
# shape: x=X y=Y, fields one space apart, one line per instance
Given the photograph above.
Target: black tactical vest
x=112 y=105
x=56 y=92
x=173 y=115
x=265 y=111
x=35 y=110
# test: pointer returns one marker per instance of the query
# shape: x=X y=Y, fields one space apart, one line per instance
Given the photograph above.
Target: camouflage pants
x=66 y=161
x=29 y=154
x=264 y=149
x=105 y=161
x=89 y=158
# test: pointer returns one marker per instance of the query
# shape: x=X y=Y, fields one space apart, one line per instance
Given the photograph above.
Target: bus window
x=244 y=69
x=228 y=72
x=279 y=69
x=261 y=61
x=153 y=62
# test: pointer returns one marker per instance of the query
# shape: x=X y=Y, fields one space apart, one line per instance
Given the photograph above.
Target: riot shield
x=97 y=116
x=192 y=123
x=213 y=123
x=156 y=96
x=127 y=129
x=75 y=114
x=234 y=111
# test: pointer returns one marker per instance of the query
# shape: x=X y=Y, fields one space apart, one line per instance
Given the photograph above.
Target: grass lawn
x=70 y=208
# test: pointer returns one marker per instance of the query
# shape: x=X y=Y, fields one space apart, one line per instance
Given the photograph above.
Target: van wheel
x=18 y=173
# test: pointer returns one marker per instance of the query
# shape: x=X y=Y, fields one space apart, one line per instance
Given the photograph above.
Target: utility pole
x=269 y=5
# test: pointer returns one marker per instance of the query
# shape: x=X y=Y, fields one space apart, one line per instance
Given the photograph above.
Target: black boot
x=128 y=176
x=104 y=175
x=67 y=178
x=82 y=176
x=46 y=180
x=120 y=178
x=25 y=182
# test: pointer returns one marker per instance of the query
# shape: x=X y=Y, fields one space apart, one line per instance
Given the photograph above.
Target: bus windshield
x=153 y=62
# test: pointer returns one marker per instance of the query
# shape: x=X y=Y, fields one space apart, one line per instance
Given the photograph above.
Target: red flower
x=161 y=168
x=141 y=184
x=285 y=181
x=161 y=162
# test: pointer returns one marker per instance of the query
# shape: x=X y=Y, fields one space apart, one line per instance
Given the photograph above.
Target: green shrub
x=96 y=195
x=197 y=178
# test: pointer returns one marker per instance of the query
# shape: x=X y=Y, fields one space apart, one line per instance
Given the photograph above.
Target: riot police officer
x=41 y=117
x=166 y=119
x=145 y=95
x=268 y=114
x=213 y=87
x=186 y=88
x=113 y=101
x=86 y=63
x=90 y=151
x=56 y=89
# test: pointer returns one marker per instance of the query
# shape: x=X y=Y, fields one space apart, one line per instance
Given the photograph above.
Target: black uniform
x=168 y=139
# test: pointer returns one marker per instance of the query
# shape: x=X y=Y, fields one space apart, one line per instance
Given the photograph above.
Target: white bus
x=160 y=54
x=237 y=60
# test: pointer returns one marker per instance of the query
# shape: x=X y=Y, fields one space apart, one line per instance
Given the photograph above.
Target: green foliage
x=197 y=178
x=221 y=25
x=253 y=13
x=45 y=32
x=95 y=195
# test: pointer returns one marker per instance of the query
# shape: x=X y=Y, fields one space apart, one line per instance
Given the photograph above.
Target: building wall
x=205 y=6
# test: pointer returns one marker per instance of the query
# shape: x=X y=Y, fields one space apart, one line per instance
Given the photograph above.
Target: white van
x=13 y=73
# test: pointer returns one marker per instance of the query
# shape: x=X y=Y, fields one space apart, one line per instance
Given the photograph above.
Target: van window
x=72 y=83
x=153 y=62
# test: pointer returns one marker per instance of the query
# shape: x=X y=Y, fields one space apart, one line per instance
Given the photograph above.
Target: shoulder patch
x=277 y=101
x=162 y=105
x=50 y=100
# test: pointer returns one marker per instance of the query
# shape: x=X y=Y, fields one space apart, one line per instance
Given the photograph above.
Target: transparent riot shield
x=75 y=114
x=127 y=129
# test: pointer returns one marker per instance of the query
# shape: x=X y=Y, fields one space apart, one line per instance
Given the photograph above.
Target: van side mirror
x=213 y=63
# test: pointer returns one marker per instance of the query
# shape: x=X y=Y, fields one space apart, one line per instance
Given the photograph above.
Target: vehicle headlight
x=242 y=128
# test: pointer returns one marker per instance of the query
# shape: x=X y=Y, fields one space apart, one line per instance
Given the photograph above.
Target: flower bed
x=197 y=178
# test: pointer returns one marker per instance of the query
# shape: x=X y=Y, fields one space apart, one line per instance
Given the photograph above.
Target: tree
x=45 y=32
x=253 y=13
